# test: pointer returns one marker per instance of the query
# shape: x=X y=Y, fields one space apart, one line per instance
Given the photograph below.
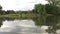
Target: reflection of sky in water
x=21 y=27
x=26 y=23
x=58 y=31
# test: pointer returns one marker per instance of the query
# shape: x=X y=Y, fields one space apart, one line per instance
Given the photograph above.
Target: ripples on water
x=22 y=27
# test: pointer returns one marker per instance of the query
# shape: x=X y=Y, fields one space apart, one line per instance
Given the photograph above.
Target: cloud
x=20 y=4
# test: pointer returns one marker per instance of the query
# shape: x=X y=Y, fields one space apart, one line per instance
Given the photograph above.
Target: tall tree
x=54 y=2
x=51 y=9
x=39 y=8
x=53 y=6
x=0 y=9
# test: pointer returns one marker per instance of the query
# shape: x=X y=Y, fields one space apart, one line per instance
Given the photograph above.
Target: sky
x=20 y=4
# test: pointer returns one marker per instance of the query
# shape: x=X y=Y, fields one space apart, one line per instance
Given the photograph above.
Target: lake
x=28 y=26
x=21 y=27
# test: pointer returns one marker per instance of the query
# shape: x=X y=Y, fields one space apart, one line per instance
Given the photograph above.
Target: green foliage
x=10 y=11
x=39 y=8
x=0 y=7
x=50 y=9
x=54 y=2
x=53 y=6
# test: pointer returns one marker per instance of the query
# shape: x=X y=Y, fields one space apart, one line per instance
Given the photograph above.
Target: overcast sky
x=20 y=4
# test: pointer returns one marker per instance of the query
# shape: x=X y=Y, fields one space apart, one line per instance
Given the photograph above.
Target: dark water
x=42 y=25
x=52 y=21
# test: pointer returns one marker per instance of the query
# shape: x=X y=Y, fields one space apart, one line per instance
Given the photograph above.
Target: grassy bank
x=19 y=16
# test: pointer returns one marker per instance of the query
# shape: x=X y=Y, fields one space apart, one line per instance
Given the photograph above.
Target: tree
x=50 y=9
x=39 y=8
x=54 y=2
x=3 y=12
x=53 y=7
x=0 y=7
x=10 y=11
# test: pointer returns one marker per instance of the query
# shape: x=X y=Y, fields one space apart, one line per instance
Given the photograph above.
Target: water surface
x=21 y=27
x=51 y=25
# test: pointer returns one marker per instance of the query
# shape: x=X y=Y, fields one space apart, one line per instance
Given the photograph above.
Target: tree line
x=53 y=7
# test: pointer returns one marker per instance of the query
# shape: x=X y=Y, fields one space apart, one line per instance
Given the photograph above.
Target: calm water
x=29 y=26
x=21 y=27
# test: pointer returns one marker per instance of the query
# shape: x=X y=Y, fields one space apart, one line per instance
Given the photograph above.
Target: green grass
x=20 y=16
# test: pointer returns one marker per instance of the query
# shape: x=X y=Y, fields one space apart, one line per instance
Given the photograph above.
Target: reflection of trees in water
x=3 y=19
x=52 y=21
x=0 y=23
